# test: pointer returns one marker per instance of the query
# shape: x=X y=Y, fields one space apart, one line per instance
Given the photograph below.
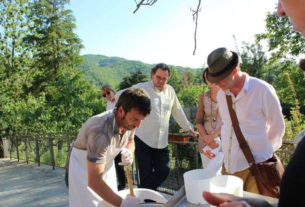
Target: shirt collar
x=245 y=88
x=246 y=83
x=114 y=124
x=157 y=89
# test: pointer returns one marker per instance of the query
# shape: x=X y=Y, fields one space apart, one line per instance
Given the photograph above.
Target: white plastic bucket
x=199 y=180
x=227 y=184
x=195 y=182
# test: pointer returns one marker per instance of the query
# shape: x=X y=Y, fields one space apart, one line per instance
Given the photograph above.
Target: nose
x=138 y=123
x=280 y=10
x=161 y=81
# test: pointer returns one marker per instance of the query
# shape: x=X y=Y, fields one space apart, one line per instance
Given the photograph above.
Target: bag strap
x=243 y=144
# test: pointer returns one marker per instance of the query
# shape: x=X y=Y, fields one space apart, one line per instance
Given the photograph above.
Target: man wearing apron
x=91 y=171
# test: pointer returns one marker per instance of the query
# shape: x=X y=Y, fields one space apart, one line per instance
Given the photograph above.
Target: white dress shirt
x=110 y=105
x=154 y=128
x=260 y=119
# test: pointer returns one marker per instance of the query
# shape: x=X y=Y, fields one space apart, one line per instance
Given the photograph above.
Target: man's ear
x=235 y=71
x=121 y=111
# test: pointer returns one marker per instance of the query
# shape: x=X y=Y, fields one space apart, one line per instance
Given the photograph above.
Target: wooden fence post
x=11 y=147
x=37 y=151
x=17 y=148
x=26 y=149
x=52 y=152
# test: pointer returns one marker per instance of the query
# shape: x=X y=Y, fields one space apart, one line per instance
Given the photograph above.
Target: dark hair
x=161 y=66
x=203 y=75
x=302 y=64
x=136 y=98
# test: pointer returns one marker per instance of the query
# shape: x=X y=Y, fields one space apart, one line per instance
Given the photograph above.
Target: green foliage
x=175 y=80
x=282 y=40
x=135 y=77
x=189 y=95
x=41 y=91
x=52 y=42
x=72 y=100
x=190 y=76
x=100 y=70
x=253 y=59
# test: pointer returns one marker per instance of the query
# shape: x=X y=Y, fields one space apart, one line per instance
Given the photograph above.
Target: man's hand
x=193 y=133
x=130 y=201
x=127 y=157
x=229 y=200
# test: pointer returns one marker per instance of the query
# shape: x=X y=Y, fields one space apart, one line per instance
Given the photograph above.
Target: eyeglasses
x=106 y=94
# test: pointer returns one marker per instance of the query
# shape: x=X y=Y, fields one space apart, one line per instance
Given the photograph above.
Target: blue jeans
x=153 y=164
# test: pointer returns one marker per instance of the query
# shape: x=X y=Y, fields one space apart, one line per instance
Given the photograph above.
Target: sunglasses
x=106 y=94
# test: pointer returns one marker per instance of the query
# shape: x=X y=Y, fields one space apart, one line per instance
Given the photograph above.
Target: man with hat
x=293 y=180
x=258 y=112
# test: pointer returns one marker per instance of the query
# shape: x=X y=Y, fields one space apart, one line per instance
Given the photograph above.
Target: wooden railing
x=52 y=149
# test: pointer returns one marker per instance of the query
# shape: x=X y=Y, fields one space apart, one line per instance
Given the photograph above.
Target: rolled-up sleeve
x=179 y=115
x=97 y=146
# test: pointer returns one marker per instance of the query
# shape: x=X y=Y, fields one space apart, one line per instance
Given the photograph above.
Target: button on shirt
x=154 y=128
x=260 y=119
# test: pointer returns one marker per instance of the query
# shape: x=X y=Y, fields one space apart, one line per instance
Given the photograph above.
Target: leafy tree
x=14 y=58
x=189 y=95
x=134 y=78
x=253 y=59
x=175 y=80
x=282 y=40
x=52 y=42
x=72 y=100
x=41 y=91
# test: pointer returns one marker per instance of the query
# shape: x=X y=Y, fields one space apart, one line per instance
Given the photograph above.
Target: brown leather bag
x=268 y=174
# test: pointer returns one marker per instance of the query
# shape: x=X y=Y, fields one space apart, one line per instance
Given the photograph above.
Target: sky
x=164 y=32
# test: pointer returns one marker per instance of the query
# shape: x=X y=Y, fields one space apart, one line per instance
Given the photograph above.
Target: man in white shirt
x=151 y=138
x=293 y=181
x=258 y=111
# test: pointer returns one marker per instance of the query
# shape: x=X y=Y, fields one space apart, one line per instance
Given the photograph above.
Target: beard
x=126 y=125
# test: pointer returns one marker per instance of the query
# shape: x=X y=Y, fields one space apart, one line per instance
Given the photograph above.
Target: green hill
x=100 y=69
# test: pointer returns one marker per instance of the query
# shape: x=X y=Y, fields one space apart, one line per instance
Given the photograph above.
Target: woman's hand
x=209 y=140
x=208 y=153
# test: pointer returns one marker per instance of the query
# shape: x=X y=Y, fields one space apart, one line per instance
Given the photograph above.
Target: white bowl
x=142 y=194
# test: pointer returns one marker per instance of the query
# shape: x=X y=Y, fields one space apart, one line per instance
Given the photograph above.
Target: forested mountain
x=100 y=69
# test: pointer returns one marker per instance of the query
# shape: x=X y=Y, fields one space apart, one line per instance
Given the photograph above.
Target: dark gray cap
x=221 y=62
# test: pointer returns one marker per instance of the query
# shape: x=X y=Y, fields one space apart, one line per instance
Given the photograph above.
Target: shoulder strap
x=243 y=144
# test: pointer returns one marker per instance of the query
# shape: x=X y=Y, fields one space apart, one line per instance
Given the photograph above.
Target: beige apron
x=80 y=194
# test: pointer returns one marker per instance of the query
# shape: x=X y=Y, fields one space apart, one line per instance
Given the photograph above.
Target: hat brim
x=215 y=78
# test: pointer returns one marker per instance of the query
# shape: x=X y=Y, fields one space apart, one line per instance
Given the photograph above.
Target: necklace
x=214 y=116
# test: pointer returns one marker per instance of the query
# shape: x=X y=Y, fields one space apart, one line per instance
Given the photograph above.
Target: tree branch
x=195 y=19
x=145 y=3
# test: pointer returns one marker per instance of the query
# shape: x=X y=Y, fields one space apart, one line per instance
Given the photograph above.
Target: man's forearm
x=100 y=187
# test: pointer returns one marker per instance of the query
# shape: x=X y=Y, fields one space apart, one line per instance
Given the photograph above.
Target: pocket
x=167 y=104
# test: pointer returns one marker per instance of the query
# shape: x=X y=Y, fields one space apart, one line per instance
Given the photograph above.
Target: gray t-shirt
x=100 y=137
